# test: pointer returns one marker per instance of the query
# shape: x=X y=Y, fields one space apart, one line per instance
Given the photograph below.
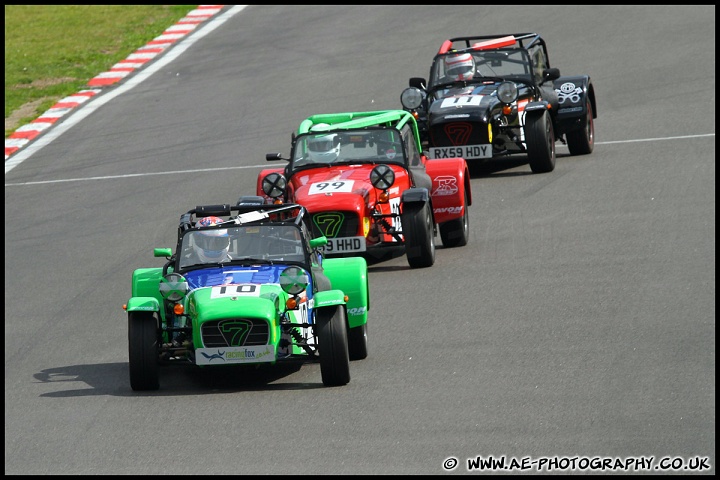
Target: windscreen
x=487 y=63
x=348 y=147
x=243 y=243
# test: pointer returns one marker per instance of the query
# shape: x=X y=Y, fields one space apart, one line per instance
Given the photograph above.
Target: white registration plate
x=345 y=245
x=463 y=151
x=234 y=355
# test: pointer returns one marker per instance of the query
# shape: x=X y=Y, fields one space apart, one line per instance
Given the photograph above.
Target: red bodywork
x=450 y=187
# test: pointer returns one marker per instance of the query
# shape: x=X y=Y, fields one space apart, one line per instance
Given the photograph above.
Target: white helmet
x=323 y=147
x=460 y=66
x=211 y=246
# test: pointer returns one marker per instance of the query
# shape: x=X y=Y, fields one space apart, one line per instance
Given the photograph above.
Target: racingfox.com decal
x=232 y=355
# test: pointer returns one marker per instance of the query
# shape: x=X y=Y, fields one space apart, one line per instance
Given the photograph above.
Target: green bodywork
x=145 y=290
x=348 y=278
x=201 y=308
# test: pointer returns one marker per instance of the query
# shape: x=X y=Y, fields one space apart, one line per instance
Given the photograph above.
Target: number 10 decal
x=235 y=291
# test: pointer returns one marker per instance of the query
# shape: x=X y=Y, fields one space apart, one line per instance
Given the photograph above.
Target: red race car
x=367 y=184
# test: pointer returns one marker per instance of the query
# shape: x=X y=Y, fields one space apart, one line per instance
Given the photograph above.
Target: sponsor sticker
x=568 y=91
x=356 y=311
x=234 y=355
x=445 y=185
x=451 y=210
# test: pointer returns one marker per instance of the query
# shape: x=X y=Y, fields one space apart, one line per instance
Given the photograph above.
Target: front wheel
x=333 y=345
x=419 y=232
x=143 y=350
x=582 y=141
x=540 y=138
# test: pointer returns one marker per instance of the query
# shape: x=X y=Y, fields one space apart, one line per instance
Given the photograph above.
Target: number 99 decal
x=331 y=187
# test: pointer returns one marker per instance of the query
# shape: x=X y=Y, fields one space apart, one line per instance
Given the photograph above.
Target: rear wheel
x=540 y=138
x=455 y=233
x=419 y=232
x=333 y=345
x=143 y=351
x=582 y=141
x=357 y=342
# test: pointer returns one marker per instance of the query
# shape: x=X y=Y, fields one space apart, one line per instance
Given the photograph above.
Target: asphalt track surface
x=578 y=322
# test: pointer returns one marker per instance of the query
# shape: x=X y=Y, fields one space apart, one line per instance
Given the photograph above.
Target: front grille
x=235 y=332
x=455 y=134
x=335 y=224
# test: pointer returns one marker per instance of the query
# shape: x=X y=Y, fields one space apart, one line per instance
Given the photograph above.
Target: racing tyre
x=419 y=232
x=333 y=345
x=540 y=139
x=143 y=350
x=357 y=342
x=455 y=232
x=582 y=141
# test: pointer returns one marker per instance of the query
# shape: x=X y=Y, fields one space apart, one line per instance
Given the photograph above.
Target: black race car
x=495 y=95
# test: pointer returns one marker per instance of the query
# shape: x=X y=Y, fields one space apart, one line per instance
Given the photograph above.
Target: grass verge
x=52 y=51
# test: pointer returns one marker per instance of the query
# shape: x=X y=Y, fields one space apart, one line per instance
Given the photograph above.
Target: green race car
x=247 y=285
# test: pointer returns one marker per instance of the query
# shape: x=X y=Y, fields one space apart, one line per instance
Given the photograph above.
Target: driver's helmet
x=460 y=66
x=211 y=245
x=323 y=148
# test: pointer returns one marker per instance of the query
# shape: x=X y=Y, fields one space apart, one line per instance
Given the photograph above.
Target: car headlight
x=294 y=280
x=412 y=98
x=382 y=177
x=173 y=287
x=274 y=185
x=507 y=92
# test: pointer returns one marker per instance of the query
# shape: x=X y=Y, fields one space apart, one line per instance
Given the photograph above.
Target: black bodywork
x=469 y=118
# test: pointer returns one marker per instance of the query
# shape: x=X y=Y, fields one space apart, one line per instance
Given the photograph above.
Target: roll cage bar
x=396 y=119
x=244 y=215
x=488 y=42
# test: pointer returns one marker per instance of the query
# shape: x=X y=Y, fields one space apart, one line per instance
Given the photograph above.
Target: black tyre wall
x=143 y=351
x=331 y=323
